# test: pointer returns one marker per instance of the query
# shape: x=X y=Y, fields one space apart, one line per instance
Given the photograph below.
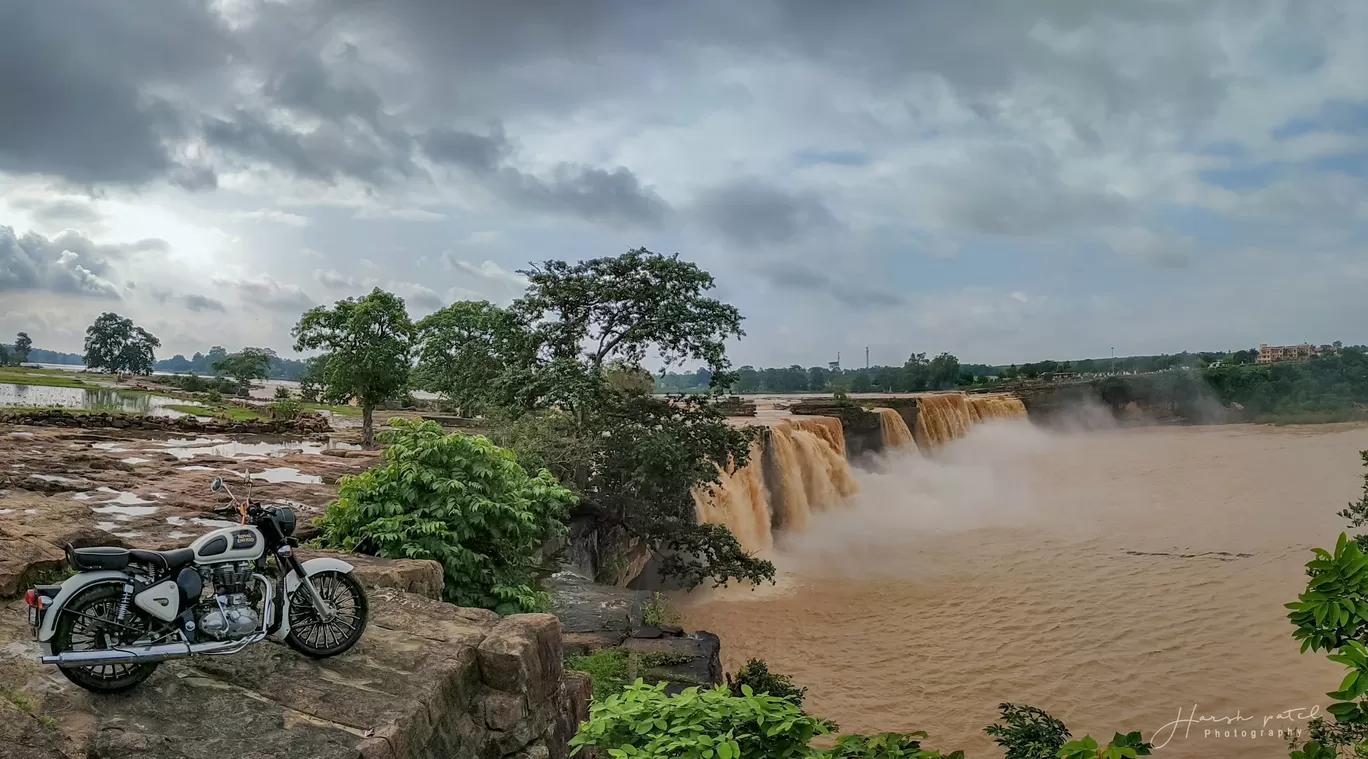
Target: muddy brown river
x=1120 y=580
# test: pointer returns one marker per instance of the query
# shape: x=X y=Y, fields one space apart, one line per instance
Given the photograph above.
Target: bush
x=756 y=676
x=282 y=393
x=657 y=612
x=1029 y=733
x=193 y=383
x=214 y=396
x=285 y=410
x=643 y=721
x=459 y=500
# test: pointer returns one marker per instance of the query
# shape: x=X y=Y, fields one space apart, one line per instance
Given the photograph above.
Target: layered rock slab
x=427 y=681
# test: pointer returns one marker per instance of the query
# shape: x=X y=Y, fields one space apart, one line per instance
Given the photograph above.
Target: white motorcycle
x=107 y=627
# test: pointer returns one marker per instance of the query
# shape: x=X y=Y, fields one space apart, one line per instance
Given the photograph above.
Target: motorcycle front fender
x=310 y=567
x=70 y=587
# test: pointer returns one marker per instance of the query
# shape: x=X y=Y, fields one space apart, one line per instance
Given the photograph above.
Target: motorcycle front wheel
x=310 y=634
x=88 y=623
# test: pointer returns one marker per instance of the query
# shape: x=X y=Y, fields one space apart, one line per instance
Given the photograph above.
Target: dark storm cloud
x=68 y=263
x=202 y=303
x=1020 y=191
x=65 y=211
x=752 y=212
x=83 y=84
x=798 y=277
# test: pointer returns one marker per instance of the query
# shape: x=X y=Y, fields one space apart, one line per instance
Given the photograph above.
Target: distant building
x=1272 y=354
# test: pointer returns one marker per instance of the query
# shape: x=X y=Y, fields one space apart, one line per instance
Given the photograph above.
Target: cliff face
x=428 y=680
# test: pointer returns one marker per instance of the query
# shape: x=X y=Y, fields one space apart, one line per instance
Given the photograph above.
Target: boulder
x=683 y=661
x=594 y=616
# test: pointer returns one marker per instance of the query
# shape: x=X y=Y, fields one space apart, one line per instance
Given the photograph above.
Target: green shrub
x=642 y=721
x=457 y=499
x=1030 y=733
x=284 y=410
x=607 y=669
x=885 y=746
x=283 y=393
x=214 y=396
x=758 y=678
x=657 y=612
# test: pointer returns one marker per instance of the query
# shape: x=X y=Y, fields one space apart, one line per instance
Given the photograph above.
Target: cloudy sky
x=1004 y=180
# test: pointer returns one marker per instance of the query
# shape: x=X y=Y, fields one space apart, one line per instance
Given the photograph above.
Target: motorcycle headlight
x=285 y=519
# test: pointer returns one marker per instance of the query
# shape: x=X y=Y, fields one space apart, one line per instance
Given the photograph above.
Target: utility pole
x=866 y=358
x=1113 y=359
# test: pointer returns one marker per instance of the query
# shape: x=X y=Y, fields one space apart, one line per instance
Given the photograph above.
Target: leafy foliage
x=366 y=343
x=885 y=746
x=607 y=670
x=466 y=348
x=561 y=370
x=756 y=676
x=1128 y=746
x=657 y=611
x=459 y=500
x=285 y=409
x=245 y=366
x=642 y=721
x=23 y=345
x=1029 y=733
x=115 y=344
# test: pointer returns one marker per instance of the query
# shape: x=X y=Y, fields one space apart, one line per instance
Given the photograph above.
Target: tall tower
x=866 y=358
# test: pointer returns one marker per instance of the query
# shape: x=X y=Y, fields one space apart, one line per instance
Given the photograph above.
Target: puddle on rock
x=125 y=513
x=120 y=497
x=134 y=460
x=51 y=478
x=287 y=474
x=214 y=522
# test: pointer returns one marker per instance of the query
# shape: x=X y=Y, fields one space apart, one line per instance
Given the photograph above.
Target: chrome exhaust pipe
x=148 y=654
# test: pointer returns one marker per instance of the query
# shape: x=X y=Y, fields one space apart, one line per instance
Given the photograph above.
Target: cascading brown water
x=739 y=501
x=943 y=417
x=986 y=407
x=896 y=434
x=811 y=473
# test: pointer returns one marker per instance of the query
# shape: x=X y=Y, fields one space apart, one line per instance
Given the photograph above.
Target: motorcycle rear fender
x=310 y=567
x=70 y=587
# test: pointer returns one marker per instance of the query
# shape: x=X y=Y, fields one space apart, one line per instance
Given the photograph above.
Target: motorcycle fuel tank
x=242 y=543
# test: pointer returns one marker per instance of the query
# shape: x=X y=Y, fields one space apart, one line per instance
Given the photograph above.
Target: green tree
x=756 y=676
x=22 y=345
x=1028 y=733
x=943 y=372
x=623 y=378
x=115 y=344
x=366 y=343
x=466 y=348
x=456 y=499
x=245 y=366
x=5 y=355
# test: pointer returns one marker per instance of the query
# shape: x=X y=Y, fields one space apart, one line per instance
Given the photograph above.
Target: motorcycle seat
x=168 y=560
x=109 y=557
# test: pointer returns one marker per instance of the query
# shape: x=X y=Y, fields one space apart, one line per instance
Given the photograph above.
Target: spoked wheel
x=88 y=623
x=321 y=637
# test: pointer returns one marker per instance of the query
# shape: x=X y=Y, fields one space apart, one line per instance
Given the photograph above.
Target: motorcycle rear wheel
x=312 y=636
x=87 y=623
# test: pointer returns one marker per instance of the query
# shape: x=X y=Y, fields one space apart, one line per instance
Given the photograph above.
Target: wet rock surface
x=307 y=423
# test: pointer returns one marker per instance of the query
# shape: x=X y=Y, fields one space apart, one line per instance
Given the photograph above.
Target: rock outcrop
x=305 y=424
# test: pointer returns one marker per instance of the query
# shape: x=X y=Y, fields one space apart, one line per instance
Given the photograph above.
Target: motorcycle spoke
x=311 y=628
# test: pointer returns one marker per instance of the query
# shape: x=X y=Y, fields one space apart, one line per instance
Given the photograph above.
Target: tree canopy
x=561 y=369
x=366 y=344
x=23 y=345
x=115 y=344
x=246 y=365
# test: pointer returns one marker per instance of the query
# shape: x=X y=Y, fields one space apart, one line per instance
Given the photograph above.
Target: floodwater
x=1111 y=578
x=89 y=399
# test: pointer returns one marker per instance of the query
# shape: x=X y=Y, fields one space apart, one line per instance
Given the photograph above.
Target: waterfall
x=802 y=469
x=985 y=407
x=738 y=500
x=811 y=475
x=895 y=432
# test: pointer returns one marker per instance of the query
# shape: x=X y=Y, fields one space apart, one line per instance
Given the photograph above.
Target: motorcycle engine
x=231 y=613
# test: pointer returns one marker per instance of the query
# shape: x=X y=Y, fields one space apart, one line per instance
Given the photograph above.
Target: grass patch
x=657 y=612
x=43 y=377
x=24 y=703
x=339 y=410
x=231 y=413
x=608 y=670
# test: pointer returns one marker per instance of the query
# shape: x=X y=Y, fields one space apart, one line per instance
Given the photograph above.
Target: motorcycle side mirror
x=216 y=485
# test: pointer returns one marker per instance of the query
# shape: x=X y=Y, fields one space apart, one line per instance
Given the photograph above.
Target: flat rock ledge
x=427 y=681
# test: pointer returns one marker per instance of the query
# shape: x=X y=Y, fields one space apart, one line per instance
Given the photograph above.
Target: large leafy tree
x=246 y=365
x=115 y=344
x=573 y=400
x=466 y=348
x=366 y=344
x=459 y=500
x=22 y=345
